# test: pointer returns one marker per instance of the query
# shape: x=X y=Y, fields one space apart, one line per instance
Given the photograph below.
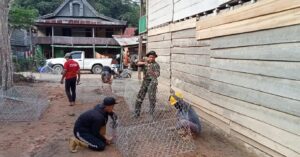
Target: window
x=88 y=32
x=109 y=32
x=76 y=9
x=48 y=31
x=67 y=32
x=76 y=56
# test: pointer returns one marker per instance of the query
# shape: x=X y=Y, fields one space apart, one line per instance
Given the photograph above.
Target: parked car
x=94 y=65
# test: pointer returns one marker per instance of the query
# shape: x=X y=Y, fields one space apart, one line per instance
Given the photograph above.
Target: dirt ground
x=48 y=137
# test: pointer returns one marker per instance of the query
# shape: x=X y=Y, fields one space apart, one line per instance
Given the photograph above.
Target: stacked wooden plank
x=162 y=12
x=189 y=60
x=240 y=70
x=265 y=14
x=159 y=40
x=186 y=8
x=159 y=12
x=255 y=76
x=255 y=80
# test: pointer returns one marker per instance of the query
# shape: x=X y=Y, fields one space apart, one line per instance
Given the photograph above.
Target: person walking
x=106 y=74
x=151 y=71
x=90 y=127
x=71 y=74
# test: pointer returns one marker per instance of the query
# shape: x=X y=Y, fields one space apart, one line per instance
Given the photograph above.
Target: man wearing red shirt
x=70 y=73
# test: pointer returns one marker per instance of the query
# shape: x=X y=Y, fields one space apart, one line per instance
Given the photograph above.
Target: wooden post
x=140 y=42
x=94 y=49
x=30 y=35
x=52 y=38
x=121 y=59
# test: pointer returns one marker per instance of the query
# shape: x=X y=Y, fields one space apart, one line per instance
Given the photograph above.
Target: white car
x=94 y=65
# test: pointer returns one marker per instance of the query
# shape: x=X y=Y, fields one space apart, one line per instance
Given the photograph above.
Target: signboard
x=143 y=24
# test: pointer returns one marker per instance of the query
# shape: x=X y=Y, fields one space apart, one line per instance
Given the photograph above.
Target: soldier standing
x=151 y=71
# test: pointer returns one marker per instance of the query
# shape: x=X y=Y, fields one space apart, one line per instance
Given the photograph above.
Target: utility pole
x=140 y=41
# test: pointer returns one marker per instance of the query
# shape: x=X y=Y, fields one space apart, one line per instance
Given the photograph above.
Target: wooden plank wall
x=166 y=11
x=245 y=83
x=265 y=14
x=159 y=12
x=257 y=78
x=186 y=8
x=220 y=2
x=255 y=75
x=159 y=40
x=190 y=62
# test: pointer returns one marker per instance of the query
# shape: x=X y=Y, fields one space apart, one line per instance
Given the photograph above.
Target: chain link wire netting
x=22 y=103
x=44 y=77
x=93 y=92
x=47 y=73
x=148 y=135
x=154 y=139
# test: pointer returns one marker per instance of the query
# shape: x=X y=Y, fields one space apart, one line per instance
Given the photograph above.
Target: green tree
x=21 y=18
x=132 y=14
x=127 y=10
x=39 y=57
x=43 y=6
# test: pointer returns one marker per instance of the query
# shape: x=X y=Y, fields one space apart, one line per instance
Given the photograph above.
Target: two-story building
x=20 y=43
x=76 y=25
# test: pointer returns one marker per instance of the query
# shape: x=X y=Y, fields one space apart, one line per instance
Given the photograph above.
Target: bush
x=39 y=57
x=24 y=64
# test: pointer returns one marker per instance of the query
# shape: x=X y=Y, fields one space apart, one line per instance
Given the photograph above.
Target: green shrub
x=24 y=64
x=39 y=57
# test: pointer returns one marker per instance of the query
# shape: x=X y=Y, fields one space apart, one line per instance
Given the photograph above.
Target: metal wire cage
x=22 y=103
x=148 y=135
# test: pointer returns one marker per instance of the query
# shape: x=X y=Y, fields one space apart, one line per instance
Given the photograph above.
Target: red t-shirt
x=71 y=68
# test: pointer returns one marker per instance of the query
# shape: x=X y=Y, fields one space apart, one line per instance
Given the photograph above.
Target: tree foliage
x=21 y=18
x=43 y=6
x=127 y=10
x=39 y=57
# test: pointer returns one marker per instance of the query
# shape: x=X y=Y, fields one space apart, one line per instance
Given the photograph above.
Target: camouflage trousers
x=149 y=86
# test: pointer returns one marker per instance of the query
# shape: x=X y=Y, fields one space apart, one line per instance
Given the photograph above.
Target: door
x=78 y=57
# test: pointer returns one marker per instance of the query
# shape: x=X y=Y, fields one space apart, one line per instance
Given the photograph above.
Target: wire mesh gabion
x=118 y=86
x=152 y=140
x=148 y=135
x=47 y=77
x=22 y=103
x=92 y=92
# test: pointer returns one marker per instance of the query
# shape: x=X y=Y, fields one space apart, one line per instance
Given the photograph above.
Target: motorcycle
x=118 y=73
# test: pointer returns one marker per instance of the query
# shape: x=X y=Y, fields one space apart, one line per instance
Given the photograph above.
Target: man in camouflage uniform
x=151 y=71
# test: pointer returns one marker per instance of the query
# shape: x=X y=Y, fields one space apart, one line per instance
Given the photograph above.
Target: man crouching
x=90 y=127
x=188 y=122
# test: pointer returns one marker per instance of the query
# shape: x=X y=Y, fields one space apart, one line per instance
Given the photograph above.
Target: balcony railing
x=75 y=40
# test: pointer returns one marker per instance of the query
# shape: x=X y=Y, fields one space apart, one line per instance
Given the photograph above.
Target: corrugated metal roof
x=129 y=31
x=100 y=17
x=127 y=41
x=75 y=21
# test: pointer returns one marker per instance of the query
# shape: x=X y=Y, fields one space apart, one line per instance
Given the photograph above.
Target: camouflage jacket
x=151 y=71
